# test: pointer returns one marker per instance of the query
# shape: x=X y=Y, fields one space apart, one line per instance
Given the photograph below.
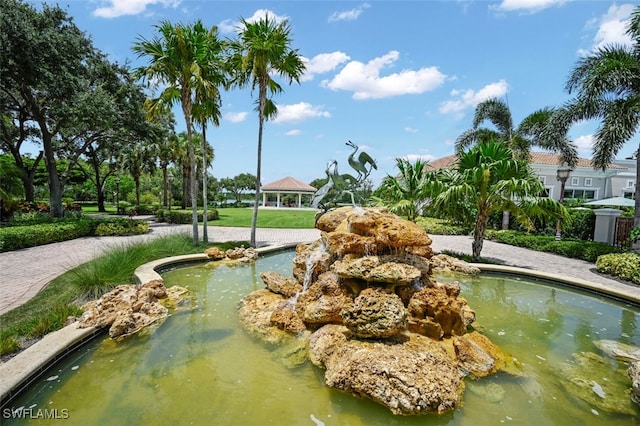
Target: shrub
x=146 y=208
x=441 y=226
x=581 y=226
x=23 y=236
x=585 y=250
x=122 y=227
x=625 y=266
x=184 y=216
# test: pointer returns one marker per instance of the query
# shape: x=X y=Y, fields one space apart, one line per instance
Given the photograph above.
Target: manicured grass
x=267 y=218
x=63 y=296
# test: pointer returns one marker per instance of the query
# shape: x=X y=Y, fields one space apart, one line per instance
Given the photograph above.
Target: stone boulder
x=286 y=318
x=479 y=357
x=409 y=375
x=128 y=308
x=439 y=306
x=377 y=270
x=634 y=374
x=311 y=260
x=279 y=284
x=375 y=314
x=214 y=253
x=443 y=263
x=323 y=301
x=341 y=243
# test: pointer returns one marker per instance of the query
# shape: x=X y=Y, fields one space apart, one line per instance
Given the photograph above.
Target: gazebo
x=287 y=185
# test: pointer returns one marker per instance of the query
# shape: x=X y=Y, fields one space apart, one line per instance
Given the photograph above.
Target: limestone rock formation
x=365 y=303
x=238 y=254
x=129 y=308
x=375 y=314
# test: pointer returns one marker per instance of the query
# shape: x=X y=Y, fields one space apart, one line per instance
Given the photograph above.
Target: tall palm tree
x=607 y=87
x=180 y=58
x=519 y=139
x=207 y=106
x=407 y=190
x=530 y=132
x=483 y=176
x=261 y=50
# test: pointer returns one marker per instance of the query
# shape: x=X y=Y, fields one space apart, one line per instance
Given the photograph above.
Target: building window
x=584 y=194
x=545 y=192
x=575 y=181
x=631 y=183
x=543 y=179
x=588 y=182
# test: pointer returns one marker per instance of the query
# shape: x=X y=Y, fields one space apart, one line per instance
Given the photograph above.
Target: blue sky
x=398 y=78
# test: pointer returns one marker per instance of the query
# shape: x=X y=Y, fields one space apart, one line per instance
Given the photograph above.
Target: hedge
x=23 y=236
x=183 y=216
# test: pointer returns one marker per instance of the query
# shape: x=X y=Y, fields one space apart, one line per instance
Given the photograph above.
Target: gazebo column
x=264 y=199
x=299 y=199
x=278 y=202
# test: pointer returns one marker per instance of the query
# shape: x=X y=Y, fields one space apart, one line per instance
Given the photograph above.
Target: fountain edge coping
x=28 y=364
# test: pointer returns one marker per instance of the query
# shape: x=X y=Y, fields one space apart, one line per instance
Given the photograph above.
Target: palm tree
x=207 y=107
x=520 y=139
x=181 y=58
x=138 y=159
x=607 y=87
x=483 y=176
x=407 y=190
x=530 y=132
x=262 y=49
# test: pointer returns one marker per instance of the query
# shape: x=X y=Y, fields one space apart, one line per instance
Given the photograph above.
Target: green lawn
x=267 y=218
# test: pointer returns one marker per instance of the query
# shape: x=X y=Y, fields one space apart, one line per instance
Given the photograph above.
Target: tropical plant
x=489 y=177
x=407 y=191
x=530 y=132
x=261 y=50
x=182 y=57
x=607 y=87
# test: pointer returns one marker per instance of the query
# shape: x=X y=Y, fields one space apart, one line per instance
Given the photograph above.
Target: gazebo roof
x=288 y=184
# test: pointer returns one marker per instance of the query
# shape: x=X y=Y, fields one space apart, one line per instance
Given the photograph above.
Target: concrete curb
x=26 y=367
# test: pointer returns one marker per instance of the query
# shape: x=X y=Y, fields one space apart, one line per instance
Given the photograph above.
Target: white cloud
x=410 y=130
x=230 y=26
x=470 y=98
x=612 y=27
x=299 y=112
x=367 y=83
x=530 y=6
x=235 y=117
x=585 y=146
x=115 y=8
x=294 y=132
x=348 y=15
x=322 y=63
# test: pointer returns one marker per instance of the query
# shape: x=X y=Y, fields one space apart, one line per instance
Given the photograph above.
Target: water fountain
x=365 y=303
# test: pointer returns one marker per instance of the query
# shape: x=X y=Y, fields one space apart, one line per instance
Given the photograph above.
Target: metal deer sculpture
x=339 y=184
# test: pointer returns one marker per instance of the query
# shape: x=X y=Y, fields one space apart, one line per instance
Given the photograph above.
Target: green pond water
x=199 y=367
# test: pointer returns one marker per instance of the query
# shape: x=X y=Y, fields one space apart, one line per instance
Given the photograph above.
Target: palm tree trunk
x=186 y=109
x=478 y=236
x=205 y=236
x=636 y=218
x=254 y=219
